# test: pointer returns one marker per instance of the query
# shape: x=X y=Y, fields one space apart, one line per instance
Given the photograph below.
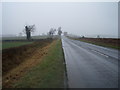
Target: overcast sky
x=82 y=18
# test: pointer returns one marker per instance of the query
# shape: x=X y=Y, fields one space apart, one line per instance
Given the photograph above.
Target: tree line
x=28 y=29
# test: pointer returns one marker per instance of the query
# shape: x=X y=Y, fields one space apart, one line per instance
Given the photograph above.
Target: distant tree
x=28 y=30
x=51 y=32
x=83 y=36
x=59 y=31
x=98 y=36
x=20 y=34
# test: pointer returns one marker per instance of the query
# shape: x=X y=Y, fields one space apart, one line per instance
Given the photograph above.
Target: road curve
x=90 y=66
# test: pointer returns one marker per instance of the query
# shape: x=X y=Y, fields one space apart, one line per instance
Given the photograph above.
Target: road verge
x=49 y=73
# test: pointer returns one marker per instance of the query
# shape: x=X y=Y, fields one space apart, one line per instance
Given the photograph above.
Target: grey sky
x=89 y=18
x=0 y=18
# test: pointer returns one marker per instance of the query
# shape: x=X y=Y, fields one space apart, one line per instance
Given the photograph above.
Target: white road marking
x=100 y=53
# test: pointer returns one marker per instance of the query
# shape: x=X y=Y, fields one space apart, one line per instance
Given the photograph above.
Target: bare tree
x=98 y=36
x=83 y=36
x=28 y=30
x=59 y=31
x=51 y=32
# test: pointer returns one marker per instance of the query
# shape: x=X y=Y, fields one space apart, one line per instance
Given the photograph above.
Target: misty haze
x=89 y=19
x=59 y=45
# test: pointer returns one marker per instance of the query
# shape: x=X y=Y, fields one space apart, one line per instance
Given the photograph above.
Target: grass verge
x=99 y=43
x=49 y=73
x=102 y=44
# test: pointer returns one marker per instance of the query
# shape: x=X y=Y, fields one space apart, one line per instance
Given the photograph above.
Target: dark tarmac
x=90 y=66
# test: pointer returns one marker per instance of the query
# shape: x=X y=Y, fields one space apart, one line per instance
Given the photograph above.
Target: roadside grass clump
x=49 y=73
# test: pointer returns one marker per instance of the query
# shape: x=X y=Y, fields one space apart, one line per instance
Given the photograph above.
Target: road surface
x=90 y=66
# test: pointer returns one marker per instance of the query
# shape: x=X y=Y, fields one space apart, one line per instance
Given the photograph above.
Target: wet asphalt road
x=90 y=66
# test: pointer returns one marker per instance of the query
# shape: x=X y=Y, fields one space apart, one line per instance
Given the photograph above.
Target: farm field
x=50 y=45
x=24 y=37
x=11 y=44
x=36 y=65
